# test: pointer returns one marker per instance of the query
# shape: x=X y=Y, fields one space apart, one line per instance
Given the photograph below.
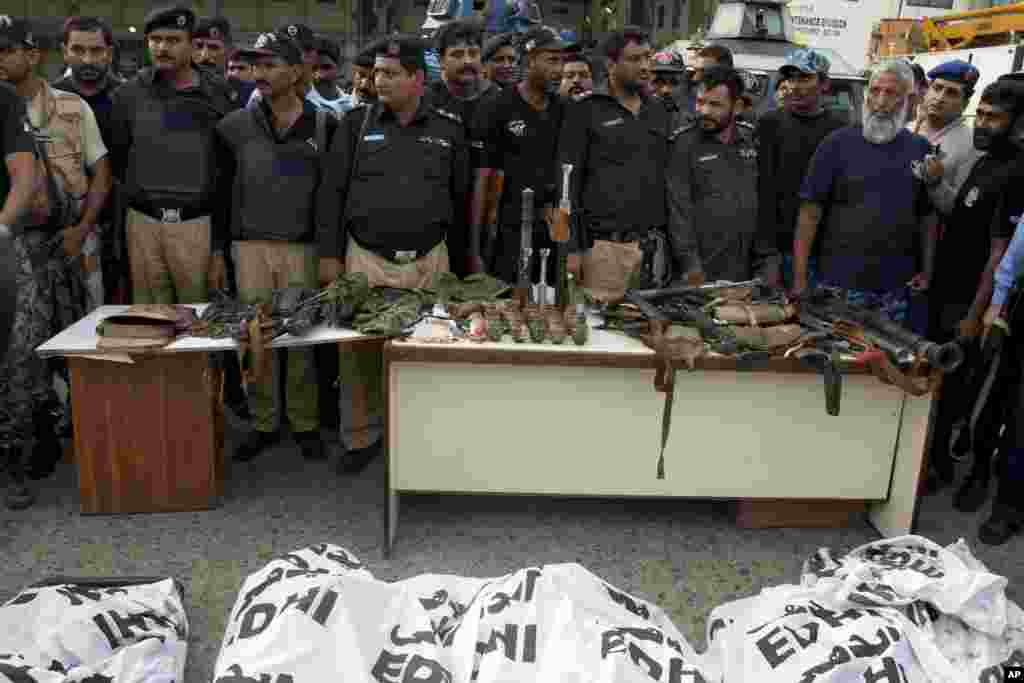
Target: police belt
x=399 y=256
x=622 y=236
x=170 y=215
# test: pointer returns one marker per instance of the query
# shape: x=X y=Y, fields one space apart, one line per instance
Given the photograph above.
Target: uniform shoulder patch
x=451 y=116
x=689 y=125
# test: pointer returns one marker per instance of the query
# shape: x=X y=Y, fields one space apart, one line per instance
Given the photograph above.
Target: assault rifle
x=824 y=311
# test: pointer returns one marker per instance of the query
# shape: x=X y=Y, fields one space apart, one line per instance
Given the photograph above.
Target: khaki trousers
x=360 y=366
x=260 y=268
x=169 y=262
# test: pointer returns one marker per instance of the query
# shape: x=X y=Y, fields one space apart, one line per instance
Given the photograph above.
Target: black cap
x=542 y=38
x=170 y=16
x=217 y=28
x=300 y=33
x=494 y=44
x=273 y=45
x=15 y=32
x=328 y=48
x=408 y=50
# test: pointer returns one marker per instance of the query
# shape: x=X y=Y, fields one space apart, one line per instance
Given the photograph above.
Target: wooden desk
x=148 y=430
x=586 y=421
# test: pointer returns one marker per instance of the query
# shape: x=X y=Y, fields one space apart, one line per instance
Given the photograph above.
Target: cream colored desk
x=586 y=421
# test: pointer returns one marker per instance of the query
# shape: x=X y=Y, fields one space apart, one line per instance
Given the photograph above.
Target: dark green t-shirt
x=13 y=136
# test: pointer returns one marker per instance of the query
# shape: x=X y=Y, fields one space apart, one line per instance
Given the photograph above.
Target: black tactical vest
x=173 y=160
x=275 y=183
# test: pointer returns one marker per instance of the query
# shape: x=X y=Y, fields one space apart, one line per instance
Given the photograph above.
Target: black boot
x=972 y=495
x=355 y=461
x=48 y=450
x=310 y=444
x=255 y=444
x=19 y=495
x=1000 y=527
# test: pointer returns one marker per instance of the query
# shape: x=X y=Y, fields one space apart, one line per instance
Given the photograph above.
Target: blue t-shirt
x=873 y=204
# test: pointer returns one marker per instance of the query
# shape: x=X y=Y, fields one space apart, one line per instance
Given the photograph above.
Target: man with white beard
x=864 y=181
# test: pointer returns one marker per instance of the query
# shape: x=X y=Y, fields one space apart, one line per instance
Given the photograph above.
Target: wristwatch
x=5 y=230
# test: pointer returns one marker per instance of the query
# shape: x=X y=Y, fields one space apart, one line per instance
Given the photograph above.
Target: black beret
x=300 y=33
x=366 y=56
x=217 y=28
x=170 y=16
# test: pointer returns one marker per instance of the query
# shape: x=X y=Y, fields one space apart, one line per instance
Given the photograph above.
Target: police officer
x=501 y=60
x=669 y=71
x=459 y=93
x=392 y=217
x=976 y=234
x=239 y=70
x=308 y=43
x=277 y=143
x=165 y=152
x=461 y=88
x=23 y=382
x=211 y=45
x=519 y=129
x=363 y=90
x=325 y=93
x=712 y=189
x=211 y=42
x=577 y=75
x=616 y=140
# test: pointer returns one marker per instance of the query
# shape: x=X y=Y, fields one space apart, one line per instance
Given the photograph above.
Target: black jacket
x=411 y=186
x=618 y=161
x=712 y=199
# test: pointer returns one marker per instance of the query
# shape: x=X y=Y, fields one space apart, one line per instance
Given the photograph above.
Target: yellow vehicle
x=978 y=28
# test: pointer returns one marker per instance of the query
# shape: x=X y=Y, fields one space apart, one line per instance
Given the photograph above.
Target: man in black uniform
x=278 y=143
x=577 y=75
x=519 y=129
x=392 y=217
x=787 y=139
x=23 y=380
x=977 y=232
x=669 y=72
x=501 y=60
x=167 y=156
x=712 y=189
x=459 y=93
x=211 y=46
x=363 y=90
x=616 y=140
x=211 y=43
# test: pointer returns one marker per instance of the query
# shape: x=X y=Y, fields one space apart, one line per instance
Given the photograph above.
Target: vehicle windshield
x=740 y=19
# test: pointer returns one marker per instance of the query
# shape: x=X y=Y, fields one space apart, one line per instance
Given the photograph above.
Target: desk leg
x=391 y=504
x=896 y=516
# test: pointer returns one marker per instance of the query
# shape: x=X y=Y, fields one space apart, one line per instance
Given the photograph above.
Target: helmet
x=669 y=61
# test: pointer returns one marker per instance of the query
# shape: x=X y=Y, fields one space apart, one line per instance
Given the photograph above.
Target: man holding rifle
x=519 y=131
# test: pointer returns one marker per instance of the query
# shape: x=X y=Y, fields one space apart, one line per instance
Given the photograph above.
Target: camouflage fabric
x=24 y=378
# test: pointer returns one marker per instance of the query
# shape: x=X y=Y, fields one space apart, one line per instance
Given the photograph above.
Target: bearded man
x=865 y=181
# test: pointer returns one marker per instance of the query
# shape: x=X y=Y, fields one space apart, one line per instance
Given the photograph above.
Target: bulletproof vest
x=173 y=155
x=275 y=183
